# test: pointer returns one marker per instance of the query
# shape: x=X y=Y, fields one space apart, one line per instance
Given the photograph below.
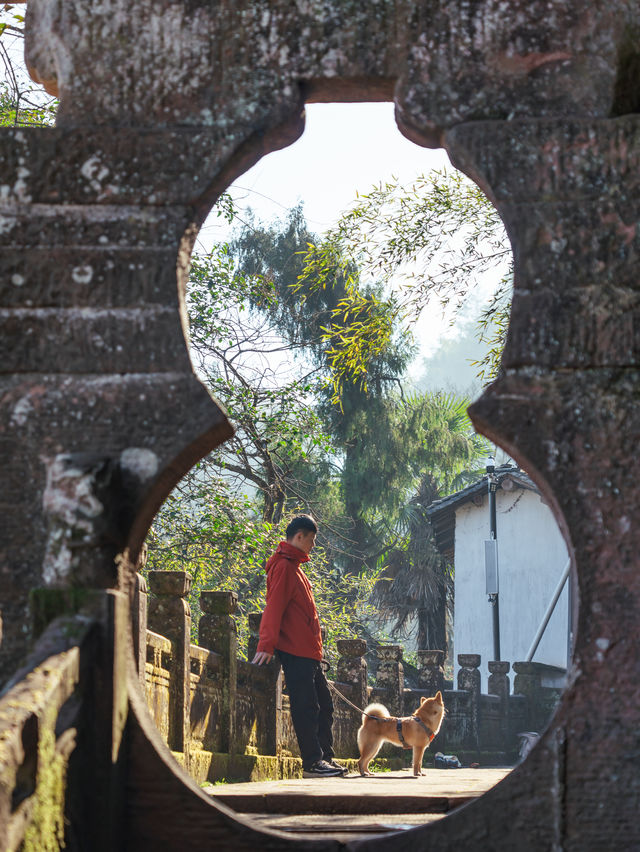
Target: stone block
x=431 y=670
x=169 y=583
x=219 y=603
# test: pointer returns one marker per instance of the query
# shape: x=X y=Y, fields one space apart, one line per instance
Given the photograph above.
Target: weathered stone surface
x=351 y=647
x=254 y=619
x=571 y=425
x=170 y=615
x=569 y=199
x=244 y=67
x=389 y=653
x=431 y=670
x=171 y=583
x=351 y=675
x=498 y=683
x=163 y=104
x=219 y=603
x=217 y=630
x=469 y=680
x=41 y=418
x=390 y=678
x=139 y=602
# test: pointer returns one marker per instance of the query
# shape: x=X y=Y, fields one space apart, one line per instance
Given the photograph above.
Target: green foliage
x=216 y=538
x=223 y=545
x=22 y=104
x=45 y=830
x=241 y=356
x=21 y=111
x=493 y=326
x=226 y=518
x=416 y=581
x=434 y=240
x=269 y=339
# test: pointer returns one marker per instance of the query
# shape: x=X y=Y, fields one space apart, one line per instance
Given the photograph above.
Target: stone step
x=338 y=803
x=340 y=827
x=437 y=792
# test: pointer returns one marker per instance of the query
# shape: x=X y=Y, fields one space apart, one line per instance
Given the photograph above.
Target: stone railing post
x=527 y=682
x=254 y=619
x=139 y=627
x=170 y=615
x=218 y=632
x=469 y=680
x=274 y=697
x=390 y=677
x=498 y=683
x=352 y=668
x=431 y=671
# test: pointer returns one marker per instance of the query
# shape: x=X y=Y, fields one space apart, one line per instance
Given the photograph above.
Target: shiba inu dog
x=415 y=731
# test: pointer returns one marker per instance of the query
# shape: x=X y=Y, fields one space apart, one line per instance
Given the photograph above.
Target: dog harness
x=399 y=722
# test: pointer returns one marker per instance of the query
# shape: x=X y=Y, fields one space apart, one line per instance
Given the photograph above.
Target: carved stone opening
x=150 y=130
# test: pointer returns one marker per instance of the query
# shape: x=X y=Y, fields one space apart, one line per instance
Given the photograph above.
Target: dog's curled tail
x=375 y=710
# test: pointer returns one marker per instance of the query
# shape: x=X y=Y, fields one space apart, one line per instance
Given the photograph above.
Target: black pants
x=311 y=707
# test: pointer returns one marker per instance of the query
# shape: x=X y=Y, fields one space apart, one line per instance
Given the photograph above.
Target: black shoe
x=336 y=765
x=322 y=769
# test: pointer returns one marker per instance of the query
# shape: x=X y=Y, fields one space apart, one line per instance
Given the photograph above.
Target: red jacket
x=290 y=619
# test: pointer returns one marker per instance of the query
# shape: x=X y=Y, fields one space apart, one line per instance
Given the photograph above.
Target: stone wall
x=163 y=103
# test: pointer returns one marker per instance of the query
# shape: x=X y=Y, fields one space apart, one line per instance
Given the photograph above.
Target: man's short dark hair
x=301 y=522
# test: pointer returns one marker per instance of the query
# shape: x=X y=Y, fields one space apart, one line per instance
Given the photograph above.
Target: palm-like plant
x=416 y=583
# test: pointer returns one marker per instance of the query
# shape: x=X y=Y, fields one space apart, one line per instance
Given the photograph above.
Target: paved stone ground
x=345 y=808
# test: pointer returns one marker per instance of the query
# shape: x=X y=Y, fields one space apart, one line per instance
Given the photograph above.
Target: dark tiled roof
x=442 y=513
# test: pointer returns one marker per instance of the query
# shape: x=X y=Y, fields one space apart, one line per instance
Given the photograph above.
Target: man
x=290 y=628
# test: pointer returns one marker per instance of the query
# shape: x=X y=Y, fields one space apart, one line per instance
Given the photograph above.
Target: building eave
x=442 y=513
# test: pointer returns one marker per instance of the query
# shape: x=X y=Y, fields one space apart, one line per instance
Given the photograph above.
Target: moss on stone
x=47 y=604
x=207 y=766
x=45 y=832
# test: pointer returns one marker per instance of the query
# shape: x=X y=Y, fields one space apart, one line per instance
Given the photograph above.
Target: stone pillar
x=498 y=684
x=254 y=619
x=390 y=677
x=169 y=615
x=274 y=694
x=218 y=632
x=499 y=680
x=352 y=668
x=528 y=682
x=469 y=680
x=566 y=402
x=431 y=671
x=139 y=627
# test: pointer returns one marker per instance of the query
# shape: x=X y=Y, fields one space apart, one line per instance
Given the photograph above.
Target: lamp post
x=491 y=557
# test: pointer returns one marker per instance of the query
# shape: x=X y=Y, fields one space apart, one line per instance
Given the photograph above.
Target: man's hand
x=261 y=657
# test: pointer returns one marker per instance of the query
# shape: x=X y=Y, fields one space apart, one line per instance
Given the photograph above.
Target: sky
x=345 y=149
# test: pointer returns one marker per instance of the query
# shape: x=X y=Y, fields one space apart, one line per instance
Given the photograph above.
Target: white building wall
x=531 y=558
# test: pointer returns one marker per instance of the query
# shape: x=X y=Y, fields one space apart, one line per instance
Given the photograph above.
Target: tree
x=226 y=516
x=245 y=362
x=264 y=336
x=382 y=439
x=416 y=582
x=275 y=255
x=22 y=103
x=222 y=542
x=435 y=240
x=399 y=454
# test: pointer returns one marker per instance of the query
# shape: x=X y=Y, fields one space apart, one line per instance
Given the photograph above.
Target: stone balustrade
x=206 y=700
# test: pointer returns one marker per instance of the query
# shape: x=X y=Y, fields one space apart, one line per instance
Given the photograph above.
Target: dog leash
x=350 y=703
x=398 y=719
